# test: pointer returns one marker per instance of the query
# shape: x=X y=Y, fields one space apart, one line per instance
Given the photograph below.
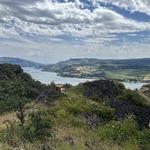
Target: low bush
x=123 y=132
x=133 y=97
x=38 y=128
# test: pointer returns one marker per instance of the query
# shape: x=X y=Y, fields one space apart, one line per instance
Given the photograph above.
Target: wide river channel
x=48 y=77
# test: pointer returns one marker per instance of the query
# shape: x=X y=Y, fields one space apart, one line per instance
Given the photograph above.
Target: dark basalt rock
x=102 y=89
x=123 y=108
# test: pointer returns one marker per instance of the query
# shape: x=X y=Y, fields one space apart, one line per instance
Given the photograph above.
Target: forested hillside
x=16 y=86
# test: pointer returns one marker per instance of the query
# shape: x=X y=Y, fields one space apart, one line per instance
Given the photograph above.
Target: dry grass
x=7 y=117
x=11 y=117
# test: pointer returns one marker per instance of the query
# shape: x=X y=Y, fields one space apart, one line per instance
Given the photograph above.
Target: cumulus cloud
x=132 y=5
x=50 y=20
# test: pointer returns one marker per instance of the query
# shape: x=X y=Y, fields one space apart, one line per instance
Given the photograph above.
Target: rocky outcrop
x=102 y=89
x=123 y=101
x=123 y=108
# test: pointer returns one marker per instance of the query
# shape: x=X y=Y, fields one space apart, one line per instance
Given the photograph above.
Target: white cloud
x=45 y=18
x=132 y=5
x=50 y=21
x=54 y=52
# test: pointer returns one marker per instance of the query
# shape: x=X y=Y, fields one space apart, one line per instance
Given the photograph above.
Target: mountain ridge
x=19 y=61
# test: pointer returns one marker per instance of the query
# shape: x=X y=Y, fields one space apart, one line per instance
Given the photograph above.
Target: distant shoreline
x=47 y=77
x=96 y=78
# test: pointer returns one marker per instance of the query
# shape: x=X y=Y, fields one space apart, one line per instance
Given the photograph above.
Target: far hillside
x=124 y=70
x=20 y=62
x=121 y=70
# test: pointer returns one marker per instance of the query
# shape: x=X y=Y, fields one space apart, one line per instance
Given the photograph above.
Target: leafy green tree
x=16 y=86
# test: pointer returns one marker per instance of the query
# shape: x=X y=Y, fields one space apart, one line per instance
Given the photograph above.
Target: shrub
x=132 y=97
x=119 y=131
x=104 y=112
x=38 y=127
x=12 y=135
x=124 y=132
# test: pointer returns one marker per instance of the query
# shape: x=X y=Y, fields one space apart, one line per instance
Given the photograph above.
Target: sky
x=53 y=30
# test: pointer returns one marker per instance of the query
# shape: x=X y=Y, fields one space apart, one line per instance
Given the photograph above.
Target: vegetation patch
x=98 y=115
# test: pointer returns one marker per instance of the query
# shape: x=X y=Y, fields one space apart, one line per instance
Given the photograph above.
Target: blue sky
x=54 y=30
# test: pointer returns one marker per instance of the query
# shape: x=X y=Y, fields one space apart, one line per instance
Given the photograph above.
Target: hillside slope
x=20 y=62
x=97 y=115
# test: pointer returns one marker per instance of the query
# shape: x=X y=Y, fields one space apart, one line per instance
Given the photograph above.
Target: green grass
x=124 y=132
x=126 y=74
x=133 y=97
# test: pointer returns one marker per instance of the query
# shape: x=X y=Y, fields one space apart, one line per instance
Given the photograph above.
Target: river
x=48 y=77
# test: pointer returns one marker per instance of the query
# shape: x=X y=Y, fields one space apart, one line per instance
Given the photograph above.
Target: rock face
x=123 y=108
x=102 y=89
x=122 y=100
